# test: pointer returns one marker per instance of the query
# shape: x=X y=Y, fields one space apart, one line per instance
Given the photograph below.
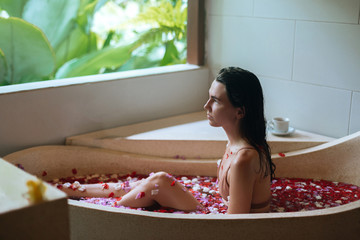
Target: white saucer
x=290 y=131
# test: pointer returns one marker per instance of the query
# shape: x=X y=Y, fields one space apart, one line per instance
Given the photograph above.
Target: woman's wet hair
x=244 y=91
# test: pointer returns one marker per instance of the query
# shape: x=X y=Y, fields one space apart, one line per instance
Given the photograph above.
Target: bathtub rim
x=353 y=206
x=245 y=216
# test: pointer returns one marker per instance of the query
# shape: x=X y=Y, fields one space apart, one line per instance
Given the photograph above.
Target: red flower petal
x=105 y=186
x=173 y=183
x=111 y=194
x=140 y=195
x=74 y=171
x=281 y=154
x=44 y=173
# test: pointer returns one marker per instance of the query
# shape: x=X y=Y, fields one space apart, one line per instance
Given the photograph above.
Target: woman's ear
x=240 y=114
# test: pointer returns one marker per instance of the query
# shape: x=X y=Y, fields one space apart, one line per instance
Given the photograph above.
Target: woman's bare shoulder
x=245 y=158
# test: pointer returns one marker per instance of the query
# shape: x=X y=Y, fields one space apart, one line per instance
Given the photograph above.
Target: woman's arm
x=242 y=180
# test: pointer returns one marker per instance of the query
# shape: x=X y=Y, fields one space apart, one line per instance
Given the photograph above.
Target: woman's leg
x=163 y=189
x=100 y=189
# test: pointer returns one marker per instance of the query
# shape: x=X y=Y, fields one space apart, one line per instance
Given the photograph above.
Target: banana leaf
x=55 y=18
x=92 y=63
x=13 y=7
x=28 y=53
x=88 y=8
x=76 y=45
x=3 y=68
x=171 y=54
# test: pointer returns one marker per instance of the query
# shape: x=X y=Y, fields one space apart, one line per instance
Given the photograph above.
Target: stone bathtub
x=336 y=160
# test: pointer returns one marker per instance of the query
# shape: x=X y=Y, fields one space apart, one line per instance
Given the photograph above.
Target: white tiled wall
x=305 y=52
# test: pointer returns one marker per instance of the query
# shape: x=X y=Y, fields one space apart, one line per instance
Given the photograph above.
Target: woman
x=244 y=174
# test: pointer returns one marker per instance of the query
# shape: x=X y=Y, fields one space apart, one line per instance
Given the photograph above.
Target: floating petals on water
x=187 y=181
x=126 y=186
x=76 y=184
x=111 y=195
x=301 y=195
x=206 y=189
x=82 y=189
x=196 y=187
x=67 y=185
x=319 y=205
x=140 y=195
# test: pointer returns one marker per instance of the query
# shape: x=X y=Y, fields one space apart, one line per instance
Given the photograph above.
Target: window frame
x=195 y=57
x=195 y=32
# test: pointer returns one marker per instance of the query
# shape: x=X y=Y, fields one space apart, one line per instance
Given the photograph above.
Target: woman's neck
x=235 y=137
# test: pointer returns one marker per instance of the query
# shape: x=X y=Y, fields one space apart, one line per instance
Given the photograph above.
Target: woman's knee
x=160 y=177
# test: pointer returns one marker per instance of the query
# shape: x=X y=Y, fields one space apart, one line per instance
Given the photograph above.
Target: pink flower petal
x=140 y=195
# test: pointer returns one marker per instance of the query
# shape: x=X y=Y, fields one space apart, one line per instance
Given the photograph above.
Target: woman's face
x=220 y=111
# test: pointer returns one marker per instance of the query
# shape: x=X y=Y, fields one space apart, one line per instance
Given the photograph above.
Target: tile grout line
x=349 y=120
x=293 y=53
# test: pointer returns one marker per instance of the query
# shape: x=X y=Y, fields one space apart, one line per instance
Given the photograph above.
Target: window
x=84 y=52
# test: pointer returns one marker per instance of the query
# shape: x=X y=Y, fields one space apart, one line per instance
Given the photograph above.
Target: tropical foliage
x=55 y=39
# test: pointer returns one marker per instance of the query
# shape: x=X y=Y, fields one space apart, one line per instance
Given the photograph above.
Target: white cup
x=279 y=124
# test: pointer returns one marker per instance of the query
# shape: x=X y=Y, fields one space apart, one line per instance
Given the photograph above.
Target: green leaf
x=171 y=54
x=76 y=45
x=55 y=18
x=108 y=38
x=3 y=68
x=13 y=7
x=27 y=51
x=92 y=63
x=88 y=8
